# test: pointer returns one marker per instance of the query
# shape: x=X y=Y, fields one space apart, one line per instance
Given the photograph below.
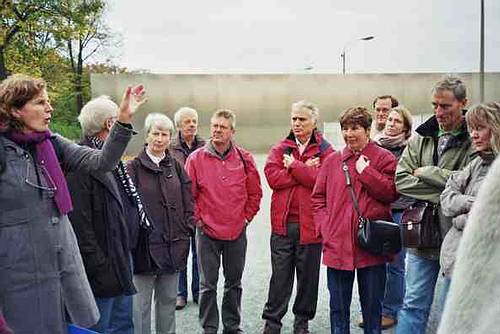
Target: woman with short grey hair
x=159 y=252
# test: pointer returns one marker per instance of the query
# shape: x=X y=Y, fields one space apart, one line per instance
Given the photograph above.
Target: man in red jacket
x=291 y=170
x=227 y=194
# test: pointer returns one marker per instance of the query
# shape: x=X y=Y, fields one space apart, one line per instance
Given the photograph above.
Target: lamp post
x=342 y=55
x=481 y=56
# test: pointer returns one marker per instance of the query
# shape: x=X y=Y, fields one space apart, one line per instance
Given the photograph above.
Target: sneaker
x=180 y=303
x=388 y=322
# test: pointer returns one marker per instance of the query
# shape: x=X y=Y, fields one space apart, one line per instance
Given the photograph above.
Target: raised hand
x=138 y=98
x=132 y=99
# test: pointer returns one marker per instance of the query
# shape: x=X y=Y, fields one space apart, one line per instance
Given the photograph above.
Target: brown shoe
x=180 y=303
x=360 y=322
x=388 y=322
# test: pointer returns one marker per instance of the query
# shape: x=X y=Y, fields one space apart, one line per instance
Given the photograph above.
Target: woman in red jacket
x=372 y=171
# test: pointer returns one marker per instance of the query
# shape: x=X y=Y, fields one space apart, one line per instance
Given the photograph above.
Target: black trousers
x=288 y=258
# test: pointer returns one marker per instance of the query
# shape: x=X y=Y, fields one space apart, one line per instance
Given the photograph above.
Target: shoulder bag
x=420 y=226
x=378 y=237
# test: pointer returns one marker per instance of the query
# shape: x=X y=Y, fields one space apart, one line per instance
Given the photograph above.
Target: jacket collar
x=290 y=139
x=179 y=144
x=369 y=149
x=209 y=147
x=430 y=128
x=149 y=164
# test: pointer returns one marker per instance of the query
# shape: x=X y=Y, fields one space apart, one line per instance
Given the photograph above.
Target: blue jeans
x=395 y=285
x=195 y=281
x=421 y=277
x=371 y=283
x=442 y=295
x=116 y=315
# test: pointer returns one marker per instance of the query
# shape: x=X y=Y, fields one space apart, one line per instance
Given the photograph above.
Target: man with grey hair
x=291 y=170
x=99 y=221
x=227 y=194
x=440 y=147
x=186 y=142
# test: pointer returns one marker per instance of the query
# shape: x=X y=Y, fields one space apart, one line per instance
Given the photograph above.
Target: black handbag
x=420 y=226
x=141 y=254
x=378 y=237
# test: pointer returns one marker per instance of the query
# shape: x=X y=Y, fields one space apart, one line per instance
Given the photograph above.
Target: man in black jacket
x=98 y=219
x=186 y=142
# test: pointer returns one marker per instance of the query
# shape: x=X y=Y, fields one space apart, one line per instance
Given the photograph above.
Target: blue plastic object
x=74 y=329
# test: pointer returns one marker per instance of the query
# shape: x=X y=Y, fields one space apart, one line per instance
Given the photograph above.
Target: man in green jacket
x=440 y=147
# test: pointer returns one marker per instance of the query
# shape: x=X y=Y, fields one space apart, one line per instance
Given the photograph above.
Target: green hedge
x=71 y=131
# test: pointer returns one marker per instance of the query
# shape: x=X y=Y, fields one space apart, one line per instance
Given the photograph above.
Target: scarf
x=390 y=141
x=128 y=185
x=46 y=156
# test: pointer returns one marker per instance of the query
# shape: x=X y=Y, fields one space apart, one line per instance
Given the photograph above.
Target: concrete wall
x=262 y=101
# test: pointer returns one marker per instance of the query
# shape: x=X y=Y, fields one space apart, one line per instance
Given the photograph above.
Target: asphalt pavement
x=256 y=280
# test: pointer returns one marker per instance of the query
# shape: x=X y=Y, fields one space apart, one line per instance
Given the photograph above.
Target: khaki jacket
x=428 y=186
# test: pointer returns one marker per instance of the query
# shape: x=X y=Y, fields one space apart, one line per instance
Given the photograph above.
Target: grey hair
x=453 y=84
x=161 y=121
x=94 y=114
x=183 y=112
x=306 y=105
x=227 y=114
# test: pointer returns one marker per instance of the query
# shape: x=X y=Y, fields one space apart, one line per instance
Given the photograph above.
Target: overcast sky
x=165 y=36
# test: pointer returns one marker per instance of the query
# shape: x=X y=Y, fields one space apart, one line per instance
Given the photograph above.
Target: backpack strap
x=242 y=159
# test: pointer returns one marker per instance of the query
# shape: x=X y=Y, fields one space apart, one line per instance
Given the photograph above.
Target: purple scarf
x=46 y=155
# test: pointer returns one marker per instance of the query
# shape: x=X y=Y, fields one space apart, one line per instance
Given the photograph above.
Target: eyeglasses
x=35 y=179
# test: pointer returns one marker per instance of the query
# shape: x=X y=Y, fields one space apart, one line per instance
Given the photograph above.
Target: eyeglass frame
x=45 y=174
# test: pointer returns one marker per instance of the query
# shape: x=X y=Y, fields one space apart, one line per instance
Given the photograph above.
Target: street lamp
x=342 y=55
x=481 y=56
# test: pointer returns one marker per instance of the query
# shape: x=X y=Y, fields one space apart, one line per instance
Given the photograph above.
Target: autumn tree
x=15 y=19
x=81 y=33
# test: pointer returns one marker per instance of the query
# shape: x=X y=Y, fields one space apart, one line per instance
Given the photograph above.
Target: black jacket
x=180 y=151
x=165 y=191
x=98 y=219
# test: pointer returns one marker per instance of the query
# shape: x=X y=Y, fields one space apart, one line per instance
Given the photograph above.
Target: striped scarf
x=129 y=186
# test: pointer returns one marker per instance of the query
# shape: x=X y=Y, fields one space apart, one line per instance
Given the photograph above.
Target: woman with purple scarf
x=42 y=279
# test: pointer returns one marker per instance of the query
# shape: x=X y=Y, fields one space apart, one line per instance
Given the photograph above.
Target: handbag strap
x=351 y=190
